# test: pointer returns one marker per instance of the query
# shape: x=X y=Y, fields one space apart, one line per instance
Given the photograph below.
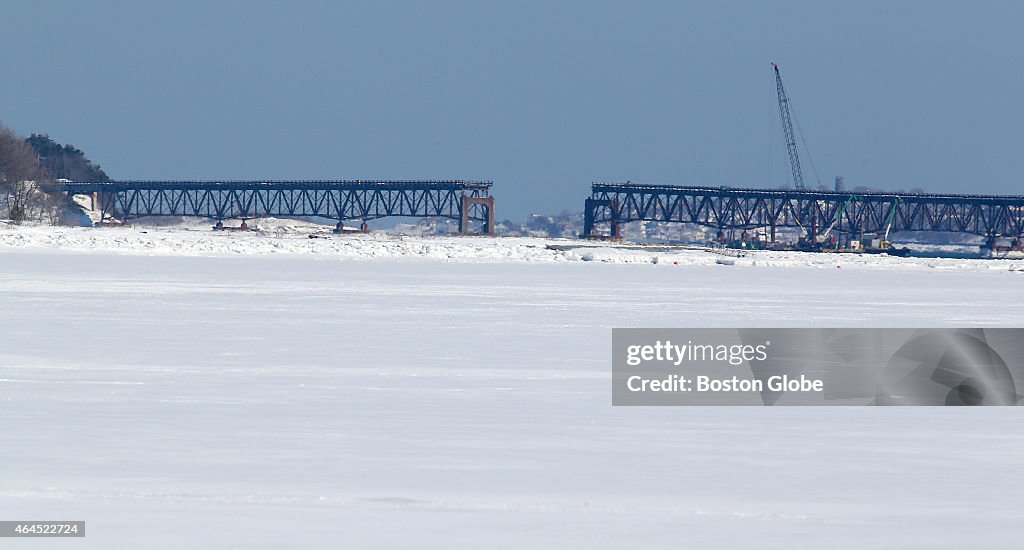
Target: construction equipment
x=787 y=128
x=839 y=216
x=886 y=243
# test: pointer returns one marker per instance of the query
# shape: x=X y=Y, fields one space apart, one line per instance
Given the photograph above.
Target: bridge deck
x=800 y=193
x=217 y=185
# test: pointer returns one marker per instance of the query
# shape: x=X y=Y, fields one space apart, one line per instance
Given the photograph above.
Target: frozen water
x=206 y=391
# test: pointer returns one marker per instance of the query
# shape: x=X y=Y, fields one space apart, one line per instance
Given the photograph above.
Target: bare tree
x=19 y=172
x=53 y=204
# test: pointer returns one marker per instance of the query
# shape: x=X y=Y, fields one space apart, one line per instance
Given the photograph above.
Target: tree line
x=32 y=166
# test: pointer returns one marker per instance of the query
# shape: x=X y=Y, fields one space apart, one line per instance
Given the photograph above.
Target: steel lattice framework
x=730 y=208
x=339 y=200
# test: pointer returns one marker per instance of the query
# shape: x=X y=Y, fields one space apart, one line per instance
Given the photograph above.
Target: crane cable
x=800 y=131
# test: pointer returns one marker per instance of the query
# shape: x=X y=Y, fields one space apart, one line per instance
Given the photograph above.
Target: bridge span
x=810 y=210
x=342 y=200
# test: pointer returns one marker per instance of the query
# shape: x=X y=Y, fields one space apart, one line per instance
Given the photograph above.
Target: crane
x=787 y=128
x=839 y=217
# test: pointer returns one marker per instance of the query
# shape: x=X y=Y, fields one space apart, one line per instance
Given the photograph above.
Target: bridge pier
x=616 y=230
x=467 y=203
x=590 y=214
x=340 y=227
x=589 y=209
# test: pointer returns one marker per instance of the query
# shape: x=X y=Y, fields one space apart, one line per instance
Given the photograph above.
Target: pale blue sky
x=542 y=97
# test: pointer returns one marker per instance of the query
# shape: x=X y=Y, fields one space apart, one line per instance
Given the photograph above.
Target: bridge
x=812 y=211
x=342 y=200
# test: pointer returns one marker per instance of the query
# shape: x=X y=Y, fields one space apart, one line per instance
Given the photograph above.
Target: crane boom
x=787 y=128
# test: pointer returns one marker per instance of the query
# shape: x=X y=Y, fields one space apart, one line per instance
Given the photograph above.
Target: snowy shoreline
x=292 y=241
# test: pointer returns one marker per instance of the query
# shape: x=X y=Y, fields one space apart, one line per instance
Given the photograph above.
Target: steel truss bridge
x=813 y=211
x=342 y=200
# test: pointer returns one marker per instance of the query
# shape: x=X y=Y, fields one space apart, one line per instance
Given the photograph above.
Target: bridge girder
x=465 y=201
x=810 y=210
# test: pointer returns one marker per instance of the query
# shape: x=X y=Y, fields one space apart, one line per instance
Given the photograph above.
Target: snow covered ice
x=189 y=389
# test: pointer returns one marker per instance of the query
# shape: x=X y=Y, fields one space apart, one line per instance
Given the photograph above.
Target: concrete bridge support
x=468 y=202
